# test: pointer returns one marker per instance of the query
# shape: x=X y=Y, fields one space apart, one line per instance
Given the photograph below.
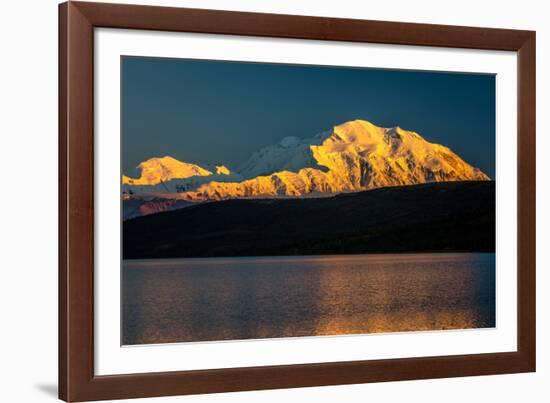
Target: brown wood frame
x=77 y=381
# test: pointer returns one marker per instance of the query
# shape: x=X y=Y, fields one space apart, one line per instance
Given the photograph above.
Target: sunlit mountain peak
x=353 y=156
x=157 y=170
x=222 y=170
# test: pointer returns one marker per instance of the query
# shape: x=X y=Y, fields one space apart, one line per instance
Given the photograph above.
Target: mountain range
x=354 y=156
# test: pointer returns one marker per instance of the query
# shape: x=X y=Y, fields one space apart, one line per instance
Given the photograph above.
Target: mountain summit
x=354 y=156
x=158 y=170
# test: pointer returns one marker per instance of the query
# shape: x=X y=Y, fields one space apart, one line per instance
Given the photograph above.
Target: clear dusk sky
x=211 y=112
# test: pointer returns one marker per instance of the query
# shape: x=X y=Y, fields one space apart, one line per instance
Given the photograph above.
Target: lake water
x=181 y=300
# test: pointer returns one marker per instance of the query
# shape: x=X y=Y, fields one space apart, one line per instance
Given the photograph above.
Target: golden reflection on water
x=410 y=321
x=391 y=300
x=228 y=299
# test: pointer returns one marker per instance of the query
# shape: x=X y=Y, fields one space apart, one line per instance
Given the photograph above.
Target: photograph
x=263 y=200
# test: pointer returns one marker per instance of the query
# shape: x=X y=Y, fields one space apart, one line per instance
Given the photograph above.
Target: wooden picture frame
x=77 y=381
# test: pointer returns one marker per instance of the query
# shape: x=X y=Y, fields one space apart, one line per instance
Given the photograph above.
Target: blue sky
x=212 y=112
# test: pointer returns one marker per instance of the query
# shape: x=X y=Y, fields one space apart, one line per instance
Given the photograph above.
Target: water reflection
x=242 y=298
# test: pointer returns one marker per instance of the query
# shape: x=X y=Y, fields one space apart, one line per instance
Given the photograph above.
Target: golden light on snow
x=354 y=156
x=156 y=170
x=222 y=170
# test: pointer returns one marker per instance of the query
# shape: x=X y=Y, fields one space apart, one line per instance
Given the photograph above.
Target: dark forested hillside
x=451 y=216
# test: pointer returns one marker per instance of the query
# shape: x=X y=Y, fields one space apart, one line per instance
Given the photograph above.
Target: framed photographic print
x=254 y=201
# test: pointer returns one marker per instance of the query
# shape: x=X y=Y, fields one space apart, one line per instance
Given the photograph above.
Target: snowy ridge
x=291 y=154
x=354 y=156
x=157 y=170
x=167 y=174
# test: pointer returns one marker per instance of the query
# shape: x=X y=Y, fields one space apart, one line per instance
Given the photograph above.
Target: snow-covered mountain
x=167 y=175
x=354 y=156
x=157 y=170
x=290 y=154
